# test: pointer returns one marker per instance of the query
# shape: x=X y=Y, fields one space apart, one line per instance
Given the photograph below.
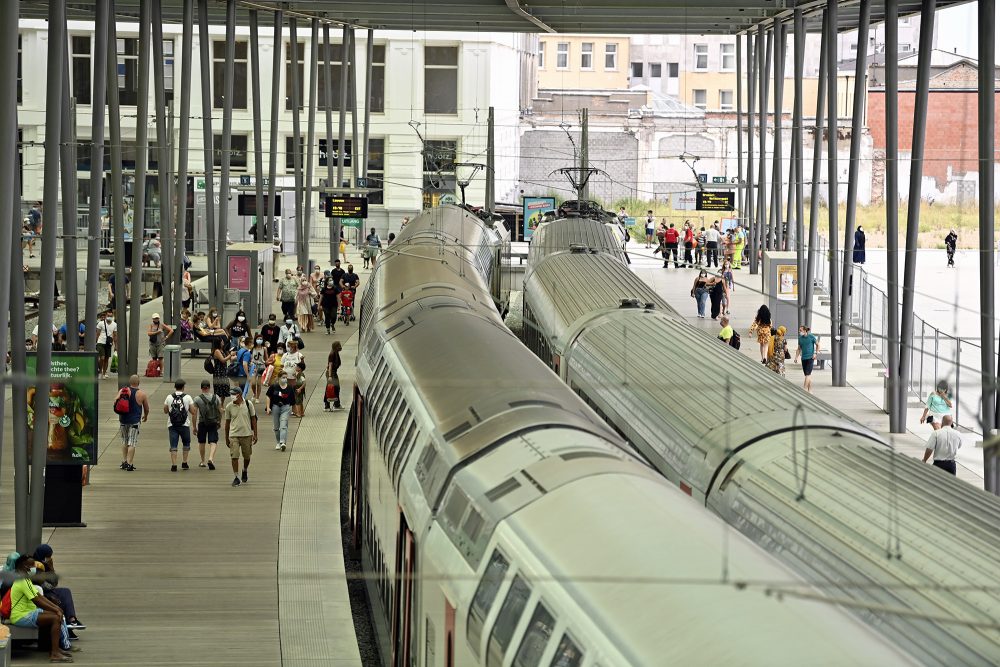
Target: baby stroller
x=347 y=306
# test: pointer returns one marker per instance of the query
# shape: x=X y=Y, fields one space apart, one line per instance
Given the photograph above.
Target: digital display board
x=247 y=204
x=340 y=206
x=715 y=201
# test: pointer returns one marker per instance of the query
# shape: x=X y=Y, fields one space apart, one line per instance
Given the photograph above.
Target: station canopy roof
x=559 y=16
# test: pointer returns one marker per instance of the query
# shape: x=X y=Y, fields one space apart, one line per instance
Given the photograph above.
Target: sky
x=957 y=29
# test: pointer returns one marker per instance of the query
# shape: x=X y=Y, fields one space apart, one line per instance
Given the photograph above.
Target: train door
x=449 y=634
x=402 y=604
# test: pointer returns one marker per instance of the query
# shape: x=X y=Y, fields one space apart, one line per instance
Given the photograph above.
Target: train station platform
x=181 y=568
x=863 y=397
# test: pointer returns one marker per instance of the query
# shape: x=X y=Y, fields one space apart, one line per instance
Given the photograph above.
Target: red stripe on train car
x=685 y=488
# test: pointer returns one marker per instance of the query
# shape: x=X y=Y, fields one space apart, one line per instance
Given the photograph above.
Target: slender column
x=18 y=355
x=117 y=209
x=184 y=141
x=141 y=160
x=897 y=410
x=96 y=174
x=860 y=86
x=833 y=202
x=221 y=265
x=69 y=205
x=776 y=237
x=490 y=162
x=740 y=191
x=310 y=140
x=258 y=139
x=584 y=150
x=987 y=148
x=799 y=238
x=164 y=150
x=927 y=9
x=342 y=125
x=328 y=103
x=752 y=69
x=208 y=149
x=47 y=282
x=10 y=227
x=813 y=259
x=356 y=156
x=272 y=161
x=764 y=43
x=368 y=95
x=300 y=239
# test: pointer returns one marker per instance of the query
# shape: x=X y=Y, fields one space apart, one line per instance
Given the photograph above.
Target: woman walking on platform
x=761 y=328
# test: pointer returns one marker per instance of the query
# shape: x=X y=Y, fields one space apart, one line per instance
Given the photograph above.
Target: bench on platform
x=18 y=633
x=195 y=345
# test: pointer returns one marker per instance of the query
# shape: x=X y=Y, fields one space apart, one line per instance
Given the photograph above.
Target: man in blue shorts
x=808 y=348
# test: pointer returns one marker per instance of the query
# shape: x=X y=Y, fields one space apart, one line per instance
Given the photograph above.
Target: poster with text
x=535 y=209
x=788 y=281
x=71 y=421
x=239 y=272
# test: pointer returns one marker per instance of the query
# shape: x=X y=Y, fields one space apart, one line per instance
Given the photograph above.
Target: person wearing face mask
x=280 y=399
x=304 y=298
x=328 y=301
x=30 y=609
x=699 y=290
x=288 y=332
x=287 y=288
x=107 y=343
x=258 y=360
x=238 y=329
x=270 y=332
x=214 y=320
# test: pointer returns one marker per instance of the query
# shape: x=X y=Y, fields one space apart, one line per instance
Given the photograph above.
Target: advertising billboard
x=239 y=272
x=535 y=209
x=72 y=417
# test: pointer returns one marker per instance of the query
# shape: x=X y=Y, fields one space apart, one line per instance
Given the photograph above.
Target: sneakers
x=211 y=466
x=282 y=446
x=173 y=468
x=201 y=465
x=185 y=466
x=124 y=465
x=236 y=481
x=244 y=476
x=75 y=625
x=337 y=406
x=129 y=467
x=277 y=446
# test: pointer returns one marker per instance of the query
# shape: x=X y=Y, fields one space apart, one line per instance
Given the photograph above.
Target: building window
x=237 y=151
x=636 y=70
x=290 y=153
x=655 y=70
x=439 y=170
x=700 y=98
x=701 y=57
x=562 y=55
x=336 y=64
x=611 y=56
x=219 y=75
x=727 y=52
x=587 y=55
x=322 y=152
x=80 y=50
x=441 y=79
x=376 y=169
x=300 y=54
x=726 y=100
x=673 y=70
x=128 y=69
x=541 y=55
x=19 y=91
x=904 y=48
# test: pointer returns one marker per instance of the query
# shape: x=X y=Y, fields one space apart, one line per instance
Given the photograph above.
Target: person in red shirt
x=670 y=239
x=688 y=244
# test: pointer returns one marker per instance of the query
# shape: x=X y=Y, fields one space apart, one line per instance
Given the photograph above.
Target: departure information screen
x=339 y=206
x=715 y=201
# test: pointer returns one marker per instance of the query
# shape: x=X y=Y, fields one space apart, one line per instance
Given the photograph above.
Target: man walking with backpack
x=179 y=408
x=132 y=407
x=208 y=418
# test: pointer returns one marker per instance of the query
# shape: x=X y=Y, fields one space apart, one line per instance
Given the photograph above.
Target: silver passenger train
x=503 y=523
x=917 y=551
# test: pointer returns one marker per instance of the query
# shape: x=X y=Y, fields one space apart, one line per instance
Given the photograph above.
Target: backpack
x=734 y=342
x=153 y=369
x=235 y=368
x=208 y=409
x=6 y=604
x=210 y=365
x=178 y=413
x=123 y=404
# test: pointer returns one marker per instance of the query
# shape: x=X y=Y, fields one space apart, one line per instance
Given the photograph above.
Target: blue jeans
x=701 y=296
x=31 y=621
x=279 y=413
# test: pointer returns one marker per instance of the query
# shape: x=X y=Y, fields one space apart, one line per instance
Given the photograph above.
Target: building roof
x=578 y=16
x=667 y=106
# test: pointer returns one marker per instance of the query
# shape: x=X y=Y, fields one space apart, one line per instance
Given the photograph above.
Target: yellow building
x=583 y=62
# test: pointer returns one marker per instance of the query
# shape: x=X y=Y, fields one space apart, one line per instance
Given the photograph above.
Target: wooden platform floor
x=181 y=568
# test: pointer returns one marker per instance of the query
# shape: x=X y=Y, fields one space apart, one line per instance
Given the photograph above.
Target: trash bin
x=171 y=363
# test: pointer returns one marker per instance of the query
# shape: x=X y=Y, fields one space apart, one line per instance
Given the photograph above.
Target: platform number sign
x=718 y=179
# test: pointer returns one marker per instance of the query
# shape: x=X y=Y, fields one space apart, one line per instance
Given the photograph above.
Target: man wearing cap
x=241 y=432
x=158 y=333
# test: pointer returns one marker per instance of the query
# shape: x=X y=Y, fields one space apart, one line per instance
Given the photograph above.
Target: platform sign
x=535 y=209
x=342 y=206
x=351 y=222
x=715 y=201
x=718 y=179
x=72 y=416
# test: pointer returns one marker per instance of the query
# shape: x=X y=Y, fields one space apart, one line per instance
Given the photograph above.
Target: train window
x=568 y=654
x=405 y=446
x=425 y=467
x=536 y=638
x=473 y=525
x=507 y=620
x=455 y=507
x=486 y=592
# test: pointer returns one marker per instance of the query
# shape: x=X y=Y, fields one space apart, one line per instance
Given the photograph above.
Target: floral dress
x=776 y=359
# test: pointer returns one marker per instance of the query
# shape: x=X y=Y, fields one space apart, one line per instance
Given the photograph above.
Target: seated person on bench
x=61 y=595
x=30 y=609
x=202 y=330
